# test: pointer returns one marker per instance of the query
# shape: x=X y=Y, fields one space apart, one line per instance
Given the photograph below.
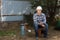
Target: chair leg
x=39 y=33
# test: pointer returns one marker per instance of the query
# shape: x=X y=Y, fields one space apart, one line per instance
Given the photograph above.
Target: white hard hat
x=39 y=7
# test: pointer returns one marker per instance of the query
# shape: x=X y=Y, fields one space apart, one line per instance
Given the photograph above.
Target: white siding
x=12 y=18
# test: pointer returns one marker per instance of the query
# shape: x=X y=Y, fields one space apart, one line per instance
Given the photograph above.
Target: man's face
x=39 y=11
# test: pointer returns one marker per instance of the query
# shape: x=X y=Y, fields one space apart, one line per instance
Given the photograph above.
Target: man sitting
x=39 y=19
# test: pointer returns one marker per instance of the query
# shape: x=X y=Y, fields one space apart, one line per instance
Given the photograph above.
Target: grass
x=7 y=33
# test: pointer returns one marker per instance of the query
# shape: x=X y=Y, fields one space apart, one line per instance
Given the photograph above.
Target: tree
x=49 y=6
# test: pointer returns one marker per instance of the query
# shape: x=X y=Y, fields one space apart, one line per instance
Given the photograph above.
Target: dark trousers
x=45 y=31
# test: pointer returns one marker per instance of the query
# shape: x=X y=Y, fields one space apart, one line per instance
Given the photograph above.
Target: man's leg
x=36 y=30
x=46 y=30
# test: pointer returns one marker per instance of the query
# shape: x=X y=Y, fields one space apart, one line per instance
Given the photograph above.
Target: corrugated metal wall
x=11 y=10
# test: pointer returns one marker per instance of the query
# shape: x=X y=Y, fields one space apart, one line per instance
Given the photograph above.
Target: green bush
x=29 y=19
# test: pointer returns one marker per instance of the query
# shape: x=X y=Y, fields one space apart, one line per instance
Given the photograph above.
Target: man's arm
x=44 y=21
x=44 y=18
x=35 y=19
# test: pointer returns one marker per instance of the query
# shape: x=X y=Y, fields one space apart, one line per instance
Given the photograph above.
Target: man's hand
x=41 y=24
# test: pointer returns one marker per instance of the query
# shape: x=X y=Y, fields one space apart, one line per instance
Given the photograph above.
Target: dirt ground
x=52 y=35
